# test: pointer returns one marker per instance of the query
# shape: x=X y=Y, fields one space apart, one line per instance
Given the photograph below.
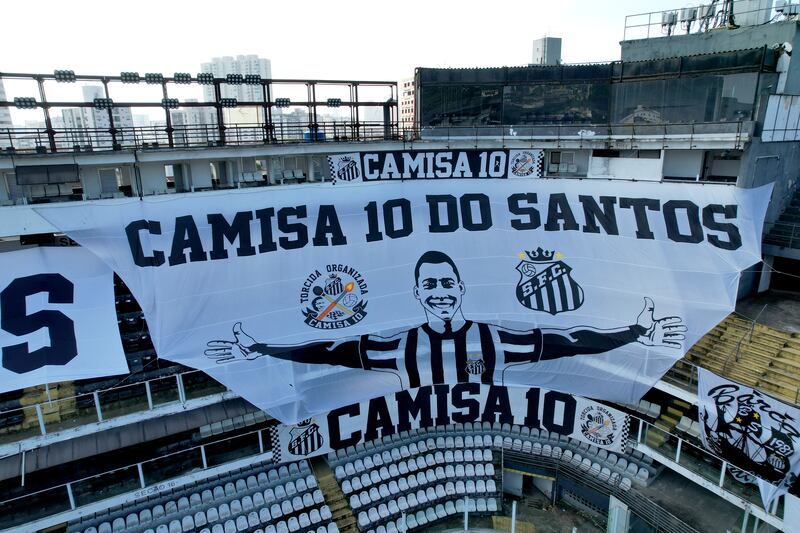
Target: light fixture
x=282 y=102
x=64 y=76
x=205 y=78
x=234 y=79
x=24 y=102
x=154 y=78
x=334 y=102
x=228 y=102
x=103 y=103
x=129 y=77
x=252 y=79
x=182 y=77
x=170 y=103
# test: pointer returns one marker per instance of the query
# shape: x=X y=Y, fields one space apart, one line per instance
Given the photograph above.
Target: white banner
x=57 y=318
x=303 y=299
x=573 y=416
x=751 y=430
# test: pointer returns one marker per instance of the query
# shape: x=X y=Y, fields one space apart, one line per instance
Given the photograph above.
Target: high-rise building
x=248 y=64
x=407 y=99
x=5 y=115
x=79 y=122
x=546 y=51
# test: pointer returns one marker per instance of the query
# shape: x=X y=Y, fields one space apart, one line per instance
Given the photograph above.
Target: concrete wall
x=544 y=485
x=512 y=483
x=154 y=178
x=625 y=168
x=774 y=162
x=683 y=163
x=199 y=173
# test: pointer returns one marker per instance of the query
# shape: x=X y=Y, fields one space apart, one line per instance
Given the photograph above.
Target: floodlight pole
x=48 y=124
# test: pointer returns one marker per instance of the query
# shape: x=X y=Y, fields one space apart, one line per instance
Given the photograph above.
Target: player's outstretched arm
x=244 y=347
x=648 y=330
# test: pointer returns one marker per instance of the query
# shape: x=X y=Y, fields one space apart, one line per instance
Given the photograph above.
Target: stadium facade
x=168 y=448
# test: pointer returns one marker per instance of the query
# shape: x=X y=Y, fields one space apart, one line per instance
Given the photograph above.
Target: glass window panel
x=123 y=400
x=69 y=413
x=106 y=485
x=171 y=466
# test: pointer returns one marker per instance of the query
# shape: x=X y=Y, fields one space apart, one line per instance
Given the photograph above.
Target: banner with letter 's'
x=57 y=318
x=463 y=403
x=751 y=430
x=303 y=299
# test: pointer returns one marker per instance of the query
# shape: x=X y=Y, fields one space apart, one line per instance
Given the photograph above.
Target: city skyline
x=352 y=41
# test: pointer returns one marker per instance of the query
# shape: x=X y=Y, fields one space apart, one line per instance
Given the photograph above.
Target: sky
x=312 y=39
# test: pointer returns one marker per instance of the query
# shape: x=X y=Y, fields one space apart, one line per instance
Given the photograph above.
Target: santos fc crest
x=305 y=438
x=546 y=283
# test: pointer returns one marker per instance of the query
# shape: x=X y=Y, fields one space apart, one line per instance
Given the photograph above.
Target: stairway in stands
x=786 y=230
x=669 y=418
x=769 y=359
x=334 y=497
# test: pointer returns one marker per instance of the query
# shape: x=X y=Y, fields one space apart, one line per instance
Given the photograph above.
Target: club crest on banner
x=475 y=365
x=334 y=299
x=345 y=167
x=525 y=163
x=546 y=283
x=748 y=428
x=305 y=438
x=598 y=425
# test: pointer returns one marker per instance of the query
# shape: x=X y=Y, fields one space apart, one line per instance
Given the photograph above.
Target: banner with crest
x=425 y=407
x=303 y=299
x=754 y=432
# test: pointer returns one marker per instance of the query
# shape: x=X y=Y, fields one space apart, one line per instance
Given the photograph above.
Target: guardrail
x=104 y=404
x=149 y=476
x=154 y=474
x=700 y=18
x=38 y=140
x=783 y=234
x=656 y=516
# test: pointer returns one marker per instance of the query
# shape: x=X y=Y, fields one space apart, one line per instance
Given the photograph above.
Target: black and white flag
x=751 y=430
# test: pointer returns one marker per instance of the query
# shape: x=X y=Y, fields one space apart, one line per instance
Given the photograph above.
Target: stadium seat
x=286 y=507
x=325 y=512
x=187 y=523
x=236 y=507
x=212 y=515
x=175 y=527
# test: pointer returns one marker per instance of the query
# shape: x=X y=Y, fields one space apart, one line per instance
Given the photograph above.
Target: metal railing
x=655 y=24
x=699 y=461
x=36 y=140
x=152 y=475
x=148 y=474
x=656 y=516
x=104 y=404
x=783 y=234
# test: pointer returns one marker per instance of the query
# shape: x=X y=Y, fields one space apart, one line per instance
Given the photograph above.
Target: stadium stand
x=786 y=230
x=458 y=465
x=754 y=354
x=278 y=499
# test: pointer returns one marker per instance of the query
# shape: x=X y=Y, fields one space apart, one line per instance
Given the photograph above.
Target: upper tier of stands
x=753 y=354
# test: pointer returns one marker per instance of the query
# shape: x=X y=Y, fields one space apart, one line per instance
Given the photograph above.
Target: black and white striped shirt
x=475 y=352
